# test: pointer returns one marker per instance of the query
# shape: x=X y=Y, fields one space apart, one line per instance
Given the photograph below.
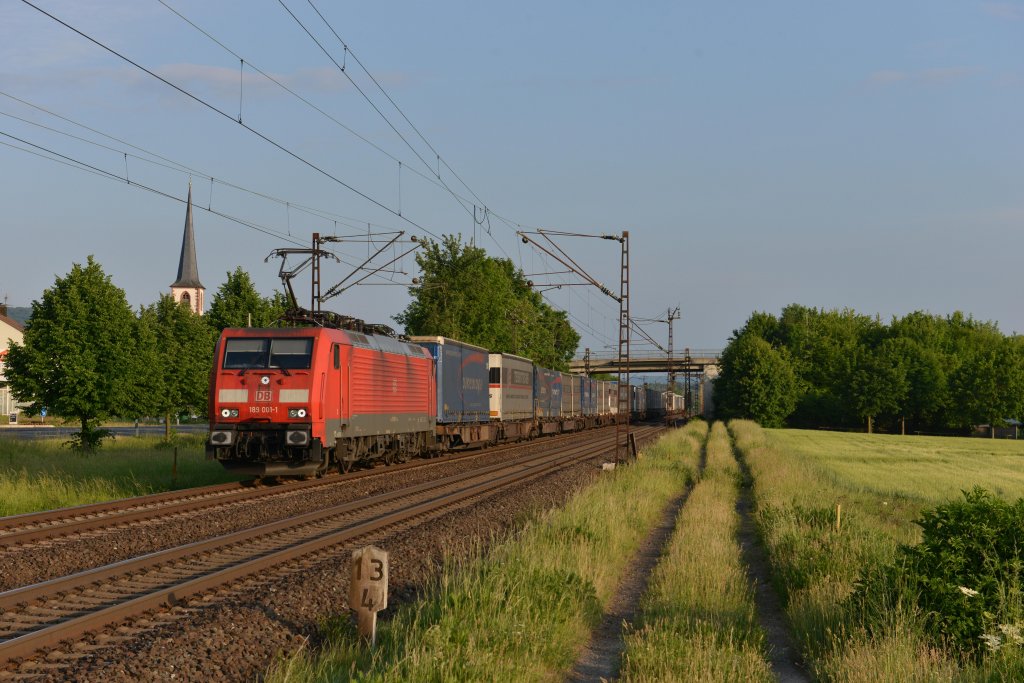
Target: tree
x=467 y=295
x=238 y=304
x=756 y=382
x=78 y=357
x=989 y=384
x=879 y=381
x=182 y=349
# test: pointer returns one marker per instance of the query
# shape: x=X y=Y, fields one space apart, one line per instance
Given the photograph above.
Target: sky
x=864 y=155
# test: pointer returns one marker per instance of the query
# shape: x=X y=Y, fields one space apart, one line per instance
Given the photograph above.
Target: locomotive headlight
x=229 y=412
x=297 y=412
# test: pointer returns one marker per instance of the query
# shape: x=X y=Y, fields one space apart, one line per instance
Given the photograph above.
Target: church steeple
x=187 y=287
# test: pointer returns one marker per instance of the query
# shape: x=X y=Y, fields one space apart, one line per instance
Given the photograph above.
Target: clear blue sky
x=866 y=155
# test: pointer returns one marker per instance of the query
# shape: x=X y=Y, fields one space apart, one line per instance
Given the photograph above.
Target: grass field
x=42 y=474
x=882 y=484
x=929 y=469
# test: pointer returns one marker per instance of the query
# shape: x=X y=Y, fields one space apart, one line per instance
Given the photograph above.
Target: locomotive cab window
x=291 y=354
x=288 y=353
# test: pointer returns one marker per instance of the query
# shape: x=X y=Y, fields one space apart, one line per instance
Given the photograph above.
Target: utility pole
x=673 y=314
x=559 y=254
x=625 y=391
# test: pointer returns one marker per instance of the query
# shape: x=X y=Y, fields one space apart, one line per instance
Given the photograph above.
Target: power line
x=217 y=110
x=81 y=165
x=173 y=165
x=66 y=160
x=431 y=178
x=359 y=89
x=394 y=104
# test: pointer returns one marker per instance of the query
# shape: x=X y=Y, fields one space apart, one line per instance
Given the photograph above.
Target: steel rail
x=35 y=526
x=502 y=474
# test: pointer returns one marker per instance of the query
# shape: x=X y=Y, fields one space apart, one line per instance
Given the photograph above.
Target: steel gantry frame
x=315 y=313
x=624 y=388
x=622 y=431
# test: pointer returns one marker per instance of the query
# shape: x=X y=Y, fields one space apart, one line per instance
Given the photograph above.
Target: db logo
x=263 y=395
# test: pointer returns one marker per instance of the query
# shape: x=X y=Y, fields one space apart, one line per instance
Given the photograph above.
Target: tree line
x=841 y=369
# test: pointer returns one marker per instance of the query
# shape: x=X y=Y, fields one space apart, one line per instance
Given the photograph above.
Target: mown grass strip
x=42 y=475
x=698 y=620
x=817 y=566
x=522 y=611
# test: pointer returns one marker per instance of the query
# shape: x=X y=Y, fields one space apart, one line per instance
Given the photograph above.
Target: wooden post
x=839 y=517
x=368 y=589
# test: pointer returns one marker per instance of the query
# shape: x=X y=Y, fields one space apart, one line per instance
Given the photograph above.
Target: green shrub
x=964 y=575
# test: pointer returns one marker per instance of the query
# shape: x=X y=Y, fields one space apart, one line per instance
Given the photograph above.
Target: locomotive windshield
x=287 y=353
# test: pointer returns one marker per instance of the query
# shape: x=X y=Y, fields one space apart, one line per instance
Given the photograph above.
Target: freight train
x=301 y=401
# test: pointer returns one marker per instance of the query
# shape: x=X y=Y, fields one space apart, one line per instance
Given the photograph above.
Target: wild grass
x=698 y=620
x=882 y=483
x=522 y=610
x=42 y=474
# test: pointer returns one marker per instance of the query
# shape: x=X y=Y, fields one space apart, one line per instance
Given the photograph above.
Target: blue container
x=462 y=388
x=544 y=392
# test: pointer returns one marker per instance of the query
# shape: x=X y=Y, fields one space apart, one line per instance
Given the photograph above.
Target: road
x=29 y=432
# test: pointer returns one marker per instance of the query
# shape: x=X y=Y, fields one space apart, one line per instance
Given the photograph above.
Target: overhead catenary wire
x=170 y=164
x=76 y=163
x=224 y=114
x=66 y=160
x=437 y=155
x=429 y=177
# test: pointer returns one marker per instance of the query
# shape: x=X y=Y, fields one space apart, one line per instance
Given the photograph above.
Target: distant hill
x=19 y=313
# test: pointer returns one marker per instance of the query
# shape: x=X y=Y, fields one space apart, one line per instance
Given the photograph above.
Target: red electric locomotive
x=297 y=401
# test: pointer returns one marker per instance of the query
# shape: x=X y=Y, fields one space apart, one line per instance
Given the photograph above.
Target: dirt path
x=783 y=655
x=602 y=657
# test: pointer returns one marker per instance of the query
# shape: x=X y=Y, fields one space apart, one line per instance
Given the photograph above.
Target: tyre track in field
x=783 y=654
x=601 y=658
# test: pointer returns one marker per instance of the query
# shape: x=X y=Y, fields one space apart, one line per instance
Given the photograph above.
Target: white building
x=10 y=331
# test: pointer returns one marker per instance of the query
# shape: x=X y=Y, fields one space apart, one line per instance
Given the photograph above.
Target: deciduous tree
x=78 y=356
x=238 y=304
x=756 y=382
x=467 y=295
x=183 y=355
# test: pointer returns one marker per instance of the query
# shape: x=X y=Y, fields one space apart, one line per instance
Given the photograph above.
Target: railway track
x=43 y=615
x=21 y=530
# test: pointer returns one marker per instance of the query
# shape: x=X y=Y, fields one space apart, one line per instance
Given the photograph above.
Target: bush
x=965 y=575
